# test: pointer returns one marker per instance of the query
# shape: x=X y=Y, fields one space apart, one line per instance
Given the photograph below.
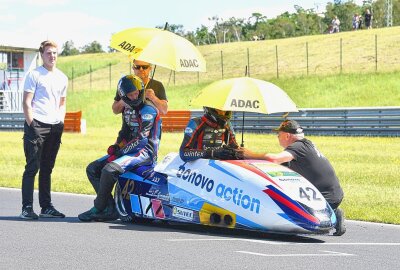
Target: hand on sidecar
x=224 y=153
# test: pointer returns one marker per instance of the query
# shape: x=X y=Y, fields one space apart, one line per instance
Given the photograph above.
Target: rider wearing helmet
x=210 y=136
x=135 y=149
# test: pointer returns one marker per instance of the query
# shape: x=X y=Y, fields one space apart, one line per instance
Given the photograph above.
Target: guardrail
x=371 y=121
x=15 y=121
x=375 y=121
x=11 y=101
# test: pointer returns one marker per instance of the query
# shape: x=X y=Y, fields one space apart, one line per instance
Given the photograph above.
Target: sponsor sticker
x=188 y=130
x=147 y=116
x=158 y=208
x=282 y=173
x=232 y=194
x=182 y=213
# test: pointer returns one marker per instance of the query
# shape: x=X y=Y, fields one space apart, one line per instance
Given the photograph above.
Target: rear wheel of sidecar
x=124 y=216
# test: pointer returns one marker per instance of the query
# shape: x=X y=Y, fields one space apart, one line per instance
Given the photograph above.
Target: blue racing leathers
x=136 y=148
x=205 y=138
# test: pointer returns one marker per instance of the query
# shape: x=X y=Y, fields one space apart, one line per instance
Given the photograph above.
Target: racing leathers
x=135 y=150
x=205 y=138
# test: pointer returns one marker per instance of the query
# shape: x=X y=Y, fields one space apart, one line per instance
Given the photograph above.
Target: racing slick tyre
x=120 y=206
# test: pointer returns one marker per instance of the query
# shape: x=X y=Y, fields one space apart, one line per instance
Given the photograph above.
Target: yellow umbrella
x=159 y=47
x=245 y=95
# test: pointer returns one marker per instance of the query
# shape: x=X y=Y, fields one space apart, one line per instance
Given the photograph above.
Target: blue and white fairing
x=246 y=194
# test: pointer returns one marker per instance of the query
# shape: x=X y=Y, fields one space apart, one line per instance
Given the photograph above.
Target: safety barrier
x=175 y=120
x=372 y=121
x=12 y=121
x=72 y=121
x=15 y=121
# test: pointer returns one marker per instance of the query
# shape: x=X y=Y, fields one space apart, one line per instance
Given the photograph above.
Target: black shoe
x=339 y=227
x=108 y=214
x=28 y=213
x=89 y=215
x=51 y=212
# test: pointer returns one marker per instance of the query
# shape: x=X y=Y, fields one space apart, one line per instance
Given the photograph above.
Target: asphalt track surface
x=70 y=244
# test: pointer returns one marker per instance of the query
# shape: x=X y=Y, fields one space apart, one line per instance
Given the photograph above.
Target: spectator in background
x=303 y=157
x=44 y=101
x=356 y=21
x=335 y=25
x=368 y=19
x=360 y=22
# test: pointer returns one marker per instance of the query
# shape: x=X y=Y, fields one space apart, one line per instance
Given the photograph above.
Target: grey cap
x=289 y=126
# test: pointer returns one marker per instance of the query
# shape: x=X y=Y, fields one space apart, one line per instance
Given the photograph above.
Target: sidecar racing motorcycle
x=238 y=194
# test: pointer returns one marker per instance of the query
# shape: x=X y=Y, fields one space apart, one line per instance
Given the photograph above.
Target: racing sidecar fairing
x=243 y=194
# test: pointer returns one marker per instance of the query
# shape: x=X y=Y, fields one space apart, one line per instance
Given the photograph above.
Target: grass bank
x=347 y=90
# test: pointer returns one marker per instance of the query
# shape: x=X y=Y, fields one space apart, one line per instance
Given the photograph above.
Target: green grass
x=347 y=90
x=78 y=65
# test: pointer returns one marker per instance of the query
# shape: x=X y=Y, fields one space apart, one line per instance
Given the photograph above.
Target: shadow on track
x=149 y=225
x=58 y=220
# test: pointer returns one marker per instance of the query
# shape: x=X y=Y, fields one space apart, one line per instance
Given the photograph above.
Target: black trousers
x=41 y=144
x=103 y=174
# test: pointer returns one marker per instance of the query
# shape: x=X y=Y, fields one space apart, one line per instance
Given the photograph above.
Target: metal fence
x=11 y=101
x=376 y=121
x=269 y=59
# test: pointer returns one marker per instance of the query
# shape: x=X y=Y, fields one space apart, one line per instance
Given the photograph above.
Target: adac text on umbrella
x=240 y=103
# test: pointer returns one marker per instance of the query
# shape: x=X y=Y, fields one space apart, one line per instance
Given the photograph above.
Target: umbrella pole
x=154 y=71
x=155 y=66
x=242 y=144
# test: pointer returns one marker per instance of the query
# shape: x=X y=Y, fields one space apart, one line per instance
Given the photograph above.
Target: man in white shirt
x=44 y=101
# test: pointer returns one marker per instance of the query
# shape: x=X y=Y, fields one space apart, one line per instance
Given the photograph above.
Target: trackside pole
x=246 y=73
x=155 y=66
x=242 y=144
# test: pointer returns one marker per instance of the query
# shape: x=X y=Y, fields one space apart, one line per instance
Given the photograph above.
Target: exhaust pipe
x=228 y=220
x=215 y=218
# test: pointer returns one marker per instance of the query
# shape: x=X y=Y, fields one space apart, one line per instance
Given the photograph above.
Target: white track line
x=329 y=253
x=280 y=243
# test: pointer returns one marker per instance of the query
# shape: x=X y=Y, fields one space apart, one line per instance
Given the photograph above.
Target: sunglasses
x=137 y=67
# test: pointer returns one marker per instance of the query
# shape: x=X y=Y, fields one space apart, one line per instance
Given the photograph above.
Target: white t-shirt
x=48 y=87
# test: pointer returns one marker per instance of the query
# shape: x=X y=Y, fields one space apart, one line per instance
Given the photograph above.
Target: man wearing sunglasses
x=155 y=91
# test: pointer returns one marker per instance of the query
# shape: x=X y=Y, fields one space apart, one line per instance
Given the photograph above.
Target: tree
x=307 y=22
x=68 y=48
x=202 y=35
x=258 y=17
x=216 y=28
x=93 y=47
x=344 y=11
x=236 y=25
x=378 y=13
x=177 y=29
x=174 y=28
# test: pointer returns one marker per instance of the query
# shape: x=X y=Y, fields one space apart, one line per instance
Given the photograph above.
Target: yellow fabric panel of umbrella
x=246 y=95
x=159 y=47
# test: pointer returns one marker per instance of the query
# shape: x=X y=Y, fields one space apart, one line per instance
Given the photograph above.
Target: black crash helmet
x=128 y=84
x=216 y=117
